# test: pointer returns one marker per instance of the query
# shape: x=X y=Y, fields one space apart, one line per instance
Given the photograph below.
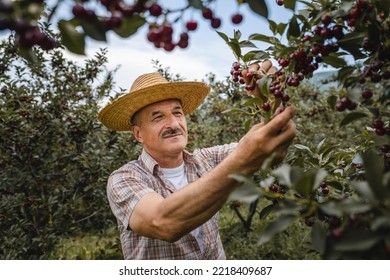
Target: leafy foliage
x=55 y=157
x=340 y=188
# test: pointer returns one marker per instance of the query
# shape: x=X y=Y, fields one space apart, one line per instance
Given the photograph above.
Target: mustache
x=171 y=131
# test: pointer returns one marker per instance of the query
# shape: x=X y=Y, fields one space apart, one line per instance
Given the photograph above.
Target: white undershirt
x=179 y=179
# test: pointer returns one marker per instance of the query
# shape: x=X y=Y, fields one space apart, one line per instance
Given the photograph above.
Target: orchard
x=334 y=185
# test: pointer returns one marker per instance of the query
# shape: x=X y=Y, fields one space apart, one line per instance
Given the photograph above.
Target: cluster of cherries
x=28 y=34
x=161 y=34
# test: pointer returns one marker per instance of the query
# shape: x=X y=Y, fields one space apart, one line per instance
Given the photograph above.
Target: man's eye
x=178 y=113
x=157 y=118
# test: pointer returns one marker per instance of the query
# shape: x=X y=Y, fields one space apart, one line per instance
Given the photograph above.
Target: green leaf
x=364 y=190
x=357 y=240
x=305 y=183
x=130 y=26
x=275 y=227
x=334 y=61
x=293 y=28
x=73 y=40
x=247 y=193
x=28 y=54
x=255 y=55
x=94 y=29
x=352 y=43
x=302 y=147
x=235 y=110
x=281 y=28
x=373 y=165
x=197 y=4
x=266 y=211
x=252 y=101
x=237 y=34
x=273 y=26
x=264 y=84
x=379 y=222
x=353 y=116
x=345 y=73
x=318 y=237
x=223 y=36
x=283 y=173
x=290 y=4
x=258 y=6
x=235 y=47
x=247 y=44
x=332 y=100
x=261 y=37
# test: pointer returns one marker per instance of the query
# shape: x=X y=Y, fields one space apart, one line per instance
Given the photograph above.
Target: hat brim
x=117 y=115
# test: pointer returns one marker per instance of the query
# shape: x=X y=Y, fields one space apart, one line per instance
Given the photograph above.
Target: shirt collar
x=151 y=164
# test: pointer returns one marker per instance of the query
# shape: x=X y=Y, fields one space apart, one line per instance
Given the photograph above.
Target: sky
x=207 y=52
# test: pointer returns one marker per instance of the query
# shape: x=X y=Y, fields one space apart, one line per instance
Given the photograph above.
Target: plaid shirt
x=127 y=185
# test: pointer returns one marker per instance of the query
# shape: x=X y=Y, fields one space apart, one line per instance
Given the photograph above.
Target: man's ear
x=137 y=133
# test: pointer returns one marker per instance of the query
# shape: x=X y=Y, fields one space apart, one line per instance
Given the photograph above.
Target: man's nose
x=173 y=121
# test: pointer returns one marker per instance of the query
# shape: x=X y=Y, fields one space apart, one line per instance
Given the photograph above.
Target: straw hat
x=147 y=89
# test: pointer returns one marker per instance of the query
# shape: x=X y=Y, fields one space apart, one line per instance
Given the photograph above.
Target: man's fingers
x=280 y=120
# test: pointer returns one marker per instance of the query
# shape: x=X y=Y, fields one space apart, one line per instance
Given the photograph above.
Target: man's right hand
x=265 y=140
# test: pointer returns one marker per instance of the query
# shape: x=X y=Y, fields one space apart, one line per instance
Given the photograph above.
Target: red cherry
x=266 y=106
x=284 y=62
x=237 y=18
x=192 y=25
x=155 y=10
x=377 y=123
x=279 y=2
x=216 y=22
x=207 y=13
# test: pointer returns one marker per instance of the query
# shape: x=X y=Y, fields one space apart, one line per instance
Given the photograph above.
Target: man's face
x=162 y=128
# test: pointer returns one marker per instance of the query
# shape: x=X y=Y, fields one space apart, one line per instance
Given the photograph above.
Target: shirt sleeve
x=216 y=154
x=124 y=191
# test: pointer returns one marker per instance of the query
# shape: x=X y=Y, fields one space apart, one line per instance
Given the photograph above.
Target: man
x=167 y=202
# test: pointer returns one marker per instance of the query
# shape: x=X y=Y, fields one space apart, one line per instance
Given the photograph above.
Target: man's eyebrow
x=178 y=107
x=155 y=113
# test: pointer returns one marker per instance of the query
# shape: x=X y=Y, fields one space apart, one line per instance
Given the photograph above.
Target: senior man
x=167 y=201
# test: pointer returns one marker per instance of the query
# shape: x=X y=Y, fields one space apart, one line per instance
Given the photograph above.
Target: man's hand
x=254 y=73
x=263 y=141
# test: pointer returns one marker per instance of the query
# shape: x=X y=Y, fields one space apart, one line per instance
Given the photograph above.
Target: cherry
x=216 y=22
x=78 y=10
x=169 y=46
x=326 y=19
x=184 y=36
x=266 y=106
x=155 y=10
x=191 y=25
x=183 y=44
x=279 y=2
x=114 y=21
x=236 y=65
x=284 y=62
x=385 y=149
x=377 y=123
x=340 y=106
x=309 y=222
x=237 y=18
x=367 y=94
x=207 y=13
x=338 y=232
x=273 y=188
x=338 y=32
x=380 y=131
x=325 y=191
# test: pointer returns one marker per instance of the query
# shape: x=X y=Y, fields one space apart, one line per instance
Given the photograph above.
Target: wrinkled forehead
x=154 y=107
